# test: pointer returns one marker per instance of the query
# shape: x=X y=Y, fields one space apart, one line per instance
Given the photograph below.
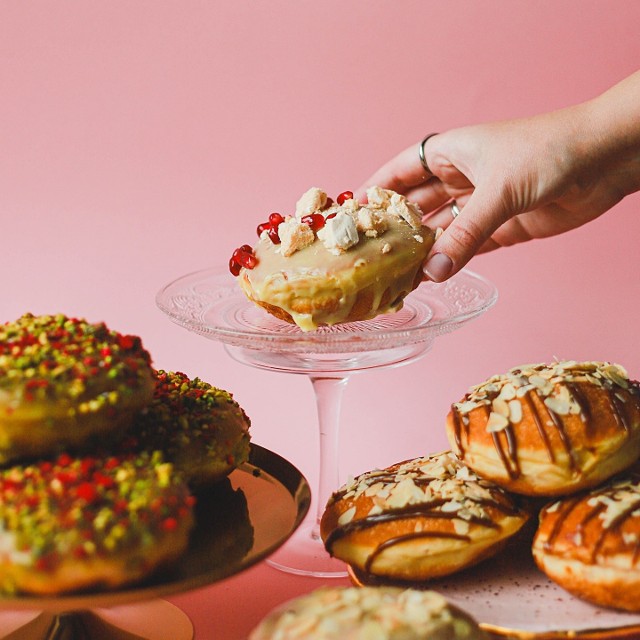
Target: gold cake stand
x=239 y=522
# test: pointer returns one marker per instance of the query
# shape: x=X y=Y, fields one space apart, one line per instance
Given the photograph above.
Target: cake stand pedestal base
x=154 y=620
x=304 y=555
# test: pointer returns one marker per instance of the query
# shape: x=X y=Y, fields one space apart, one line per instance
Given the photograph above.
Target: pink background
x=143 y=140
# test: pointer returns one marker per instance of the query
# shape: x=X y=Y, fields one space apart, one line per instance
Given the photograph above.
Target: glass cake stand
x=211 y=304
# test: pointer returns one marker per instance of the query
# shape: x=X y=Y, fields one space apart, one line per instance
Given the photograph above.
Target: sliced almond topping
x=515 y=411
x=500 y=406
x=558 y=405
x=508 y=392
x=347 y=516
x=496 y=422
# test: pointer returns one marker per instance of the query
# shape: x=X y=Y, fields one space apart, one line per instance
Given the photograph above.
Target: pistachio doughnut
x=549 y=429
x=201 y=430
x=365 y=613
x=332 y=263
x=65 y=383
x=420 y=519
x=590 y=543
x=84 y=523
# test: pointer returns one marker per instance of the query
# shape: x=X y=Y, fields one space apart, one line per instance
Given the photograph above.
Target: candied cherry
x=344 y=196
x=275 y=220
x=314 y=220
x=271 y=227
x=234 y=267
x=242 y=257
x=262 y=227
x=247 y=260
x=273 y=235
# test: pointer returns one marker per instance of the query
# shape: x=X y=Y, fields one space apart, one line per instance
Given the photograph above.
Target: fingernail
x=438 y=267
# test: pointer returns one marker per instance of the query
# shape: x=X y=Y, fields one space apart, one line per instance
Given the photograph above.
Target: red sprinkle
x=64 y=460
x=87 y=491
x=127 y=342
x=169 y=524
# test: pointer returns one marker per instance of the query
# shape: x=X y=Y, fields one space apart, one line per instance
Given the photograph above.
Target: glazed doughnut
x=549 y=430
x=337 y=262
x=84 y=523
x=65 y=383
x=420 y=519
x=590 y=543
x=201 y=430
x=383 y=613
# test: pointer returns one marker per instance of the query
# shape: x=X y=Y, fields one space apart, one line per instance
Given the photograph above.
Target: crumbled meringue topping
x=339 y=233
x=346 y=223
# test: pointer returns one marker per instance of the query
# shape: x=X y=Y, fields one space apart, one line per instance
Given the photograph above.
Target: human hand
x=513 y=181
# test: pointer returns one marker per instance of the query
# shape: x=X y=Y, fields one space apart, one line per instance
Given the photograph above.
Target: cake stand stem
x=329 y=392
x=304 y=553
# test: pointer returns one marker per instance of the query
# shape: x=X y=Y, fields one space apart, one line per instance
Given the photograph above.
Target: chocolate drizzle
x=436 y=506
x=410 y=536
x=599 y=502
x=539 y=402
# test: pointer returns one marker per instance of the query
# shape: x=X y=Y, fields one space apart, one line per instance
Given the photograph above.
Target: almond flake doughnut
x=201 y=430
x=368 y=613
x=419 y=519
x=332 y=263
x=85 y=523
x=549 y=429
x=65 y=383
x=590 y=544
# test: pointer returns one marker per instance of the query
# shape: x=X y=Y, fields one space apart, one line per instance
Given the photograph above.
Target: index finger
x=400 y=174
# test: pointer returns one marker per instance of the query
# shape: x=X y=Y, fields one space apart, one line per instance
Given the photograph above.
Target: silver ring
x=455 y=209
x=423 y=160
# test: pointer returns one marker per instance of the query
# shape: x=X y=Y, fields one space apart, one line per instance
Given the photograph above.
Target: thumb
x=465 y=236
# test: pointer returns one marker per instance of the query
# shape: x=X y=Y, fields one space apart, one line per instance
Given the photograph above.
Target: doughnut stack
x=559 y=441
x=100 y=455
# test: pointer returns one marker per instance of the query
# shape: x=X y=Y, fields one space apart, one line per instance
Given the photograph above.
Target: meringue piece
x=371 y=223
x=401 y=207
x=311 y=201
x=339 y=233
x=294 y=235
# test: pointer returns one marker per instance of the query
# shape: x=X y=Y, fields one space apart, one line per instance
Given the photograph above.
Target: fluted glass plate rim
x=210 y=302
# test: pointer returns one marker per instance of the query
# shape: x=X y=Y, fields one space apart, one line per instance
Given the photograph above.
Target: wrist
x=612 y=132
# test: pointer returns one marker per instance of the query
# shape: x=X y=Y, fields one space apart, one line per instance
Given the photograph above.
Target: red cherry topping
x=331 y=215
x=242 y=257
x=263 y=226
x=345 y=195
x=247 y=260
x=314 y=220
x=275 y=219
x=234 y=267
x=328 y=203
x=273 y=234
